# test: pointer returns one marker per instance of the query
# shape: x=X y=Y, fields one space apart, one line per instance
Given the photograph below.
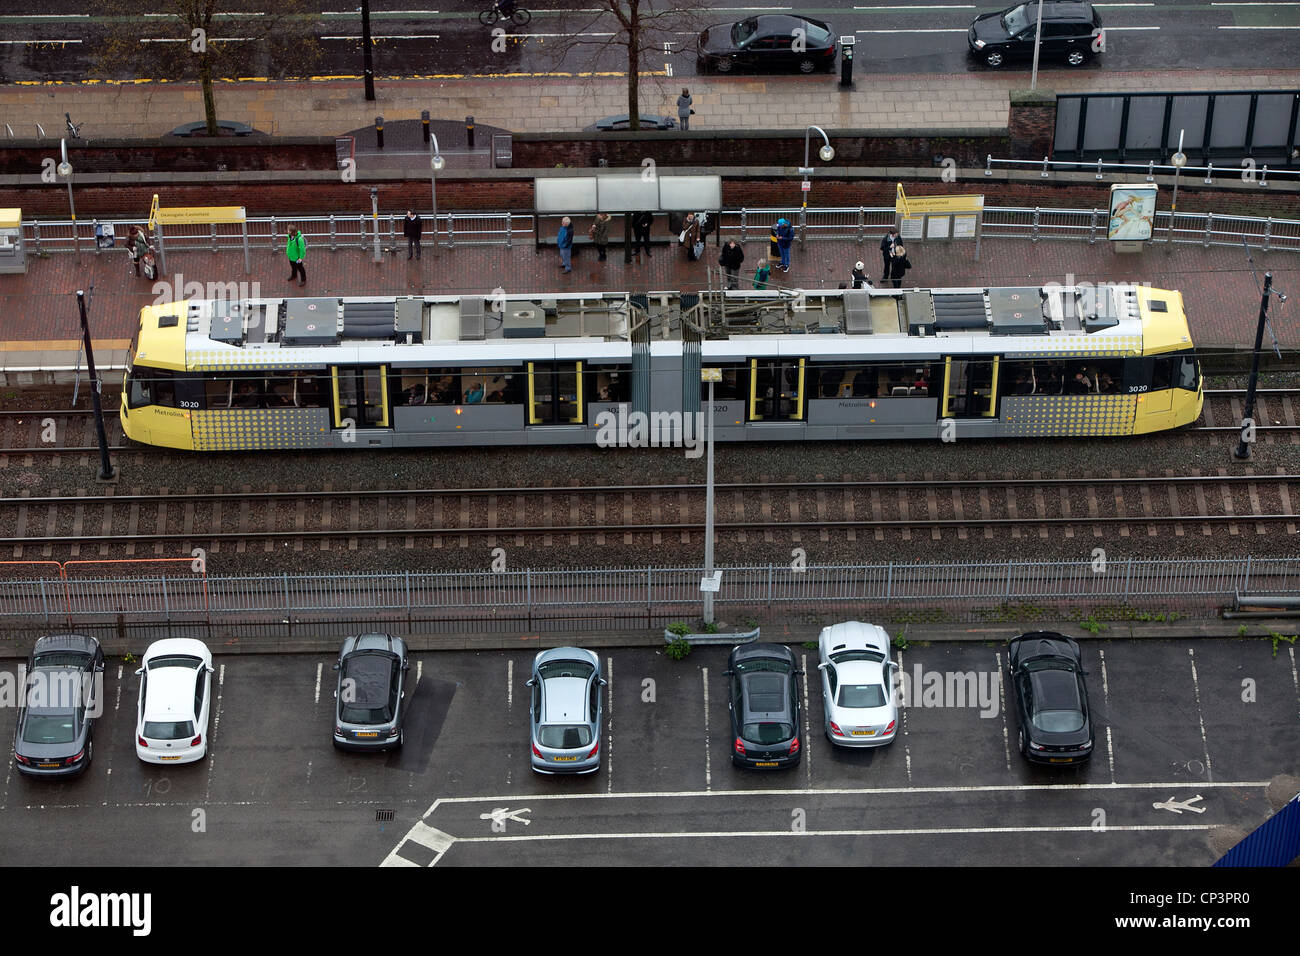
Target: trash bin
x=105 y=235
x=13 y=253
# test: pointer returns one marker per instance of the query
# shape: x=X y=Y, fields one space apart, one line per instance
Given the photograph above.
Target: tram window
x=220 y=392
x=309 y=389
x=408 y=387
x=484 y=385
x=1162 y=373
x=1187 y=375
x=248 y=393
x=279 y=392
x=142 y=387
x=733 y=387
x=609 y=384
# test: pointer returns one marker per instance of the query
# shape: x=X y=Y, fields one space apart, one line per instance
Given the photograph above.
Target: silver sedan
x=857 y=682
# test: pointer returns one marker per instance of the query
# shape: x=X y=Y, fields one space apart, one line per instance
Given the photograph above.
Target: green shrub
x=679 y=628
x=678 y=648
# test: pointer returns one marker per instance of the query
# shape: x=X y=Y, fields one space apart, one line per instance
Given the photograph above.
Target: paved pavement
x=40 y=324
x=539 y=104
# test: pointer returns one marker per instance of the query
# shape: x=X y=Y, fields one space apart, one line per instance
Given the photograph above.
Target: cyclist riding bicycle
x=506 y=8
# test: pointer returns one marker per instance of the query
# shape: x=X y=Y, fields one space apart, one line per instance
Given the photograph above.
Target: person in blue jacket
x=564 y=242
x=784 y=236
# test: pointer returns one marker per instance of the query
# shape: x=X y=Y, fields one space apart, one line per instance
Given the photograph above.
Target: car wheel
x=993 y=58
x=401 y=737
x=90 y=754
x=807 y=65
x=1021 y=742
x=724 y=65
x=1076 y=58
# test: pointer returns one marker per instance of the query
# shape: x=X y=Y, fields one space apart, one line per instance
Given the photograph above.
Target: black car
x=770 y=43
x=62 y=697
x=1051 y=698
x=370 y=698
x=764 y=705
x=1071 y=32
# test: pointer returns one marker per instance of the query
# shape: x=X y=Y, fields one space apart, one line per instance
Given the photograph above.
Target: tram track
x=769 y=510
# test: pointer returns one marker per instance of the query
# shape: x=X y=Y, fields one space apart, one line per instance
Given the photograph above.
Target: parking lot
x=1179 y=751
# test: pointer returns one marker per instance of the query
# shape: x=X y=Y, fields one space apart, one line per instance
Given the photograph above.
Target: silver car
x=566 y=711
x=62 y=696
x=857 y=685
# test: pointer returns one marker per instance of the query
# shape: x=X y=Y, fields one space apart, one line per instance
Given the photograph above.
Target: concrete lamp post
x=1178 y=161
x=825 y=154
x=436 y=163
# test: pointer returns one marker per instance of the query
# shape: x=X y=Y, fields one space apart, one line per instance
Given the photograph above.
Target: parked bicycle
x=74 y=129
x=505 y=10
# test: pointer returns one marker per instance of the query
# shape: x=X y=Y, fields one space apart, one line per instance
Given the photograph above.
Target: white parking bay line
x=807 y=721
x=609 y=723
x=904 y=30
x=1002 y=705
x=708 y=766
x=1200 y=716
x=907 y=751
x=510 y=684
x=425 y=836
x=1295 y=681
x=1274 y=26
x=320 y=667
x=216 y=722
x=1105 y=694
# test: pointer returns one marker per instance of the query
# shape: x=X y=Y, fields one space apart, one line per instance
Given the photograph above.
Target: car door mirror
x=210 y=669
x=728 y=673
x=822 y=667
x=139 y=671
x=798 y=673
x=406 y=666
x=337 y=665
x=603 y=682
x=530 y=682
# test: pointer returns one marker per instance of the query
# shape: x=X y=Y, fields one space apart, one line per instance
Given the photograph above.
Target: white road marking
x=1105 y=694
x=319 y=667
x=807 y=718
x=216 y=722
x=117 y=701
x=389 y=36
x=1200 y=716
x=426 y=836
x=1272 y=27
x=1002 y=706
x=907 y=750
x=353 y=13
x=960 y=6
x=609 y=722
x=24 y=42
x=708 y=763
x=510 y=684
x=419 y=671
x=1178 y=806
x=918 y=831
x=902 y=30
x=1128 y=29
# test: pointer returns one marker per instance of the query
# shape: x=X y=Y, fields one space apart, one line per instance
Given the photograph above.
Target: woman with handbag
x=690 y=237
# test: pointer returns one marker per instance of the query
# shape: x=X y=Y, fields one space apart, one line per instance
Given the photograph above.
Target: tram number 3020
x=1137 y=388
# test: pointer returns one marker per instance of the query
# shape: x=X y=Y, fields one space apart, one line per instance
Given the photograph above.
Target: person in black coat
x=859 y=277
x=887 y=251
x=412 y=228
x=731 y=258
x=641 y=224
x=898 y=266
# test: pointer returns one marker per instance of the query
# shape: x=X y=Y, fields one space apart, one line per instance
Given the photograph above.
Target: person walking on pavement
x=137 y=245
x=784 y=237
x=599 y=233
x=641 y=224
x=690 y=237
x=296 y=249
x=899 y=265
x=564 y=242
x=730 y=259
x=887 y=252
x=684 y=110
x=412 y=228
x=763 y=273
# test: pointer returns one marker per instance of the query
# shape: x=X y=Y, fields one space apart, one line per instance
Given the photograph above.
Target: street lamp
x=1038 y=42
x=106 y=470
x=65 y=170
x=436 y=163
x=826 y=153
x=709 y=585
x=1179 y=160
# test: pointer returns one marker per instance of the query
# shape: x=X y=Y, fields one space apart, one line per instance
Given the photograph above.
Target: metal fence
x=858 y=224
x=993 y=591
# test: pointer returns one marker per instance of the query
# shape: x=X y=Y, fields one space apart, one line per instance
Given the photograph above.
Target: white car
x=175 y=700
x=857 y=685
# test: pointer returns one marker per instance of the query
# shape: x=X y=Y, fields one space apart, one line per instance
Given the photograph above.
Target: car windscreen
x=365 y=689
x=767 y=732
x=861 y=695
x=61 y=658
x=49 y=729
x=744 y=30
x=564 y=736
x=175 y=660
x=1058 y=721
x=1017 y=18
x=579 y=669
x=844 y=657
x=168 y=729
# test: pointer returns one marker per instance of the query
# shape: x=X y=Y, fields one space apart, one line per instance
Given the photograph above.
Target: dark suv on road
x=1071 y=32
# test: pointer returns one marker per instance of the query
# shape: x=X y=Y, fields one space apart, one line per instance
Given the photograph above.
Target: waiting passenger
x=1105 y=383
x=475 y=395
x=247 y=396
x=1079 y=385
x=920 y=382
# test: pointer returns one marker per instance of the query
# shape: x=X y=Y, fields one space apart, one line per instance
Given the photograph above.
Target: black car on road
x=62 y=697
x=370 y=703
x=770 y=43
x=1071 y=32
x=763 y=699
x=1051 y=698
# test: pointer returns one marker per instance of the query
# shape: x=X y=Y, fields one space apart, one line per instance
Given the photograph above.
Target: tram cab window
x=1171 y=371
x=1162 y=373
x=1187 y=374
x=151 y=386
x=609 y=384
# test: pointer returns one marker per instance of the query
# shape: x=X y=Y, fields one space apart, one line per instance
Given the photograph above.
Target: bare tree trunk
x=209 y=102
x=634 y=73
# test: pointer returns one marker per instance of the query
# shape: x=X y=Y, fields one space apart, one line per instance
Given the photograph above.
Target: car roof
x=564 y=700
x=170 y=694
x=59 y=683
x=1055 y=690
x=766 y=694
x=371 y=672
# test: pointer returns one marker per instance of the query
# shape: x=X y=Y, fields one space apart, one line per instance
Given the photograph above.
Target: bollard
x=1151 y=168
x=1263 y=180
x=1209 y=174
x=988 y=166
x=509 y=231
x=469 y=131
x=1099 y=167
x=1044 y=174
x=424 y=126
x=379 y=131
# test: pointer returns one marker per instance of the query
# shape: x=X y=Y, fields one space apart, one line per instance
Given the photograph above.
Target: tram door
x=555 y=393
x=970 y=388
x=360 y=396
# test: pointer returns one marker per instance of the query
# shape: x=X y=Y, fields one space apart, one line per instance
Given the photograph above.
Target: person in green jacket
x=296 y=249
x=762 y=273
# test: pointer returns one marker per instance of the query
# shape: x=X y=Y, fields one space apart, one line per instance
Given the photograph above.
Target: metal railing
x=1250 y=173
x=859 y=224
x=992 y=591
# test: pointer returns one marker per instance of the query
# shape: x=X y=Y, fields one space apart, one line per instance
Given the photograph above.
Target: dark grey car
x=1046 y=671
x=370 y=703
x=62 y=697
x=763 y=700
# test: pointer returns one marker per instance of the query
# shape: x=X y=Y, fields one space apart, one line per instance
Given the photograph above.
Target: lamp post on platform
x=436 y=163
x=106 y=471
x=65 y=170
